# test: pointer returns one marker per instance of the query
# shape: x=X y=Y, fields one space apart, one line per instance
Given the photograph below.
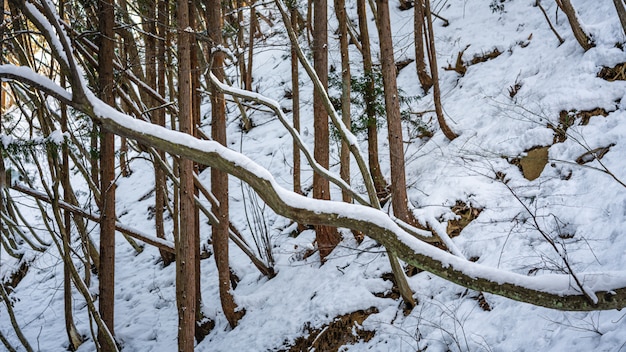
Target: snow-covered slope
x=581 y=207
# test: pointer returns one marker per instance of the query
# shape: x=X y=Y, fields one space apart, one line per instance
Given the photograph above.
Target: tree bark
x=219 y=179
x=434 y=70
x=159 y=119
x=73 y=336
x=426 y=81
x=107 y=177
x=394 y=123
x=621 y=13
x=148 y=8
x=253 y=26
x=196 y=99
x=382 y=189
x=344 y=171
x=327 y=237
x=295 y=103
x=582 y=38
x=185 y=246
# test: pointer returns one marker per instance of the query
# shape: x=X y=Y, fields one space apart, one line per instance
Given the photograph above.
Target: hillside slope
x=535 y=97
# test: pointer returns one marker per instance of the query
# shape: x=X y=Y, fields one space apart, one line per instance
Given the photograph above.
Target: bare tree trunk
x=394 y=124
x=426 y=80
x=2 y=84
x=148 y=10
x=94 y=157
x=432 y=58
x=344 y=172
x=159 y=119
x=185 y=246
x=583 y=38
x=241 y=57
x=253 y=26
x=124 y=165
x=203 y=325
x=621 y=13
x=3 y=180
x=396 y=148
x=295 y=100
x=73 y=336
x=107 y=176
x=219 y=179
x=327 y=237
x=380 y=184
x=558 y=37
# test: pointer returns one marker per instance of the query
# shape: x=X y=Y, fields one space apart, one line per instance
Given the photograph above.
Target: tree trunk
x=219 y=179
x=148 y=12
x=195 y=110
x=621 y=13
x=159 y=119
x=432 y=58
x=94 y=156
x=107 y=176
x=382 y=189
x=73 y=336
x=394 y=124
x=253 y=25
x=426 y=80
x=327 y=237
x=2 y=84
x=155 y=76
x=241 y=44
x=185 y=246
x=3 y=180
x=583 y=38
x=295 y=100
x=344 y=172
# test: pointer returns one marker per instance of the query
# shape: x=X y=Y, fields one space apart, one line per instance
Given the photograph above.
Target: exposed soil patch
x=466 y=214
x=536 y=158
x=616 y=73
x=343 y=330
x=533 y=163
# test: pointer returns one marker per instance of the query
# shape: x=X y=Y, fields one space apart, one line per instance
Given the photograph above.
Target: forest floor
x=528 y=112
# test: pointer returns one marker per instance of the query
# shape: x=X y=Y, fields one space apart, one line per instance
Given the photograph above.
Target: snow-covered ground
x=581 y=207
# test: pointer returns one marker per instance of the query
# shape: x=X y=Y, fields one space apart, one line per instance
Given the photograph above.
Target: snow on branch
x=554 y=290
x=275 y=106
x=31 y=78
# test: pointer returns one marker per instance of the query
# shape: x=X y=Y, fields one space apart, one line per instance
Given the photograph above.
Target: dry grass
x=616 y=73
x=343 y=330
x=466 y=214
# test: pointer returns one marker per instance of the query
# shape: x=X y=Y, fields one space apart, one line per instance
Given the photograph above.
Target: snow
x=34 y=79
x=567 y=199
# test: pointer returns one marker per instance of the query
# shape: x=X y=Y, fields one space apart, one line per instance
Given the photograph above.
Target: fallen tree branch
x=552 y=290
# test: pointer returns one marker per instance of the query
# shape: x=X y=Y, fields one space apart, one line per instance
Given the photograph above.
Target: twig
x=16 y=327
x=155 y=241
x=538 y=3
x=587 y=293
